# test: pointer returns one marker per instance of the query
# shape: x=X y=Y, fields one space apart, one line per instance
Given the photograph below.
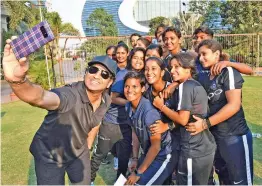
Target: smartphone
x=32 y=40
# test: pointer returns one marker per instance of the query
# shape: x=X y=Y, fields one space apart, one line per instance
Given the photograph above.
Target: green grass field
x=20 y=122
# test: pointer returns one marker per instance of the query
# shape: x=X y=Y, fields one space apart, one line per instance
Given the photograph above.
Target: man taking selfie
x=75 y=111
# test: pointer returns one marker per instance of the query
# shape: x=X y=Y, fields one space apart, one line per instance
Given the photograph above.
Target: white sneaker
x=115 y=163
x=92 y=184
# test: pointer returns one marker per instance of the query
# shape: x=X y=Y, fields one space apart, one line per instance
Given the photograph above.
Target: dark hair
x=121 y=42
x=158 y=60
x=204 y=29
x=186 y=60
x=136 y=75
x=145 y=41
x=172 y=29
x=129 y=64
x=159 y=26
x=110 y=47
x=122 y=45
x=134 y=34
x=214 y=46
x=156 y=47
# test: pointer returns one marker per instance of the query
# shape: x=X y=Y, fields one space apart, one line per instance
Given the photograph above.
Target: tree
x=68 y=29
x=242 y=16
x=186 y=22
x=18 y=11
x=55 y=22
x=100 y=19
x=209 y=12
x=156 y=21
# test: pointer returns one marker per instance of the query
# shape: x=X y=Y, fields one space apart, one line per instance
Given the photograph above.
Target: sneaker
x=92 y=184
x=115 y=163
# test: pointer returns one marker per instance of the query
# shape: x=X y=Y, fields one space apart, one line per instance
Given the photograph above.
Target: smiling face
x=121 y=55
x=133 y=90
x=137 y=61
x=152 y=53
x=134 y=40
x=179 y=73
x=207 y=57
x=153 y=72
x=200 y=37
x=95 y=82
x=171 y=41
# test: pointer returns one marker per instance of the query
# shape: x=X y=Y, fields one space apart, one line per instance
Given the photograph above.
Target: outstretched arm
x=15 y=73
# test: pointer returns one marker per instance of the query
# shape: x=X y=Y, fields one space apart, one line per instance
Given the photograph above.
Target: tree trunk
x=53 y=67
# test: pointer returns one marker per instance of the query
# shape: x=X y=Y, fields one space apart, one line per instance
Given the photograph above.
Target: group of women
x=200 y=109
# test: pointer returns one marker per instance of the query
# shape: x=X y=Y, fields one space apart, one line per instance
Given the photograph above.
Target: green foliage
x=237 y=16
x=102 y=20
x=156 y=21
x=6 y=35
x=38 y=73
x=69 y=30
x=97 y=46
x=243 y=16
x=77 y=66
x=186 y=22
x=55 y=22
x=18 y=12
x=209 y=12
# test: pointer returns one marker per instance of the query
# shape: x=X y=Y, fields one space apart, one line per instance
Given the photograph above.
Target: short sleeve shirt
x=149 y=95
x=62 y=135
x=144 y=116
x=229 y=79
x=169 y=103
x=191 y=96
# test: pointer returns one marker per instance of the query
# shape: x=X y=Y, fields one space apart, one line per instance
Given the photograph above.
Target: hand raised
x=14 y=70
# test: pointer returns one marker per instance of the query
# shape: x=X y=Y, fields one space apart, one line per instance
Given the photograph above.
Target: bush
x=38 y=73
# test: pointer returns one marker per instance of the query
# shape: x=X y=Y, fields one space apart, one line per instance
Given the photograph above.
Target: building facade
x=142 y=12
x=111 y=7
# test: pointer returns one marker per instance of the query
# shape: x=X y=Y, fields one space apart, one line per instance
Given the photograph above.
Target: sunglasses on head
x=93 y=70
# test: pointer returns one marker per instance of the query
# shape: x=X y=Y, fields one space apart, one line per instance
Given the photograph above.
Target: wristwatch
x=138 y=174
x=17 y=82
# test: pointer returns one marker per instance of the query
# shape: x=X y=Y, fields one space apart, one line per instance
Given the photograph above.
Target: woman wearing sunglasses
x=63 y=140
x=115 y=128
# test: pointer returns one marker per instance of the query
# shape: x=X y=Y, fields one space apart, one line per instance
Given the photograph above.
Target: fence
x=244 y=48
